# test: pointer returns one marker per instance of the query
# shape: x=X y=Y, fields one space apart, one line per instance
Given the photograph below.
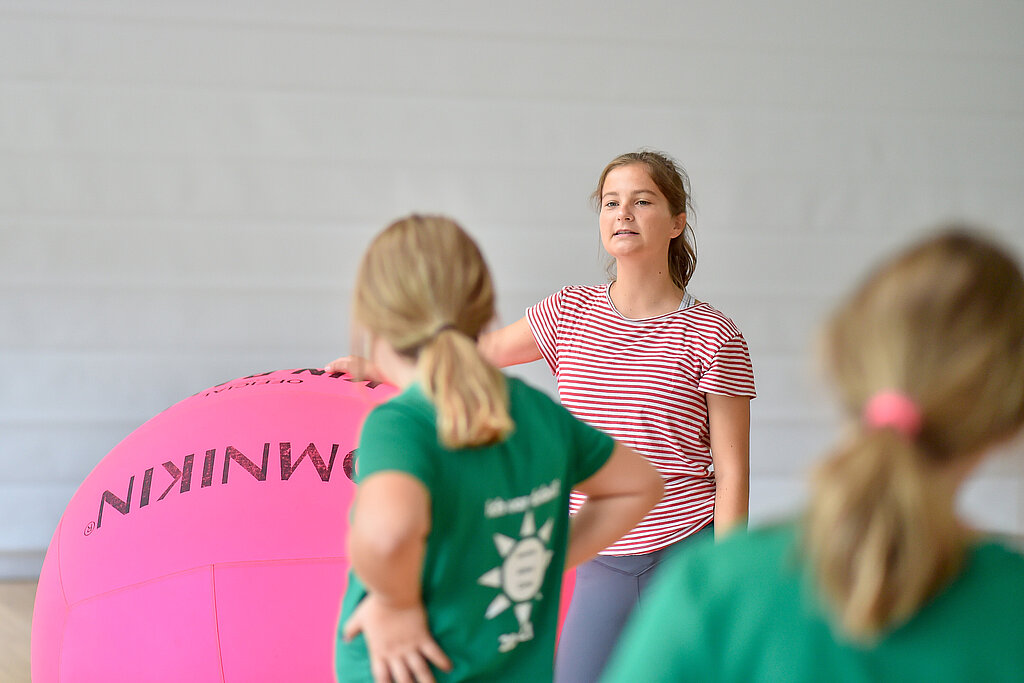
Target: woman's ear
x=680 y=225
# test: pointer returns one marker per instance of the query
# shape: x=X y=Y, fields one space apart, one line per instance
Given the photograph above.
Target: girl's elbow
x=382 y=545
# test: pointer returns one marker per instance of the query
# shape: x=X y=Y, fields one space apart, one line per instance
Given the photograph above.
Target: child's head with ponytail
x=424 y=288
x=928 y=360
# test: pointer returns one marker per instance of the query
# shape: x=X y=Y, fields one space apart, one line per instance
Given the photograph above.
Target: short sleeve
x=591 y=448
x=393 y=438
x=730 y=372
x=543 y=318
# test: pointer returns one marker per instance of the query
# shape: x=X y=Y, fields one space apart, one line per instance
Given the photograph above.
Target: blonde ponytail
x=938 y=335
x=423 y=287
x=880 y=538
x=470 y=394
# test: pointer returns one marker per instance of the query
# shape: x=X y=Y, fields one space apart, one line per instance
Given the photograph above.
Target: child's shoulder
x=992 y=557
x=521 y=391
x=752 y=552
x=409 y=405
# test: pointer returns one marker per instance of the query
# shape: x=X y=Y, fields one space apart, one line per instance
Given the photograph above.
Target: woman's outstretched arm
x=509 y=345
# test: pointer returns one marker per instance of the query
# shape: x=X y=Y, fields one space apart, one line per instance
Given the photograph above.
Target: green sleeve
x=669 y=638
x=395 y=438
x=590 y=447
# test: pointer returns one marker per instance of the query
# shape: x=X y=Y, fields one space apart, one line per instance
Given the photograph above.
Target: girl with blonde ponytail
x=879 y=581
x=929 y=357
x=424 y=289
x=459 y=532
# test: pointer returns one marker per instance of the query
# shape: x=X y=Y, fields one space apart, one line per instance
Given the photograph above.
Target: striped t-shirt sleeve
x=729 y=372
x=543 y=318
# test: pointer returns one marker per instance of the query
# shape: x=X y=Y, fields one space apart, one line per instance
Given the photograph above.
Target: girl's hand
x=357 y=367
x=398 y=640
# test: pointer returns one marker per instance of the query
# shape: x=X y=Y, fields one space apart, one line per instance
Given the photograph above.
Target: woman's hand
x=398 y=640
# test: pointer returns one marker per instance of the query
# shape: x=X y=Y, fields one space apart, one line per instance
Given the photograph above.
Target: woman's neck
x=642 y=291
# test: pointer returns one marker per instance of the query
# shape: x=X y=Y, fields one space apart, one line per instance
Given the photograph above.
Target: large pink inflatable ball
x=209 y=545
x=568 y=585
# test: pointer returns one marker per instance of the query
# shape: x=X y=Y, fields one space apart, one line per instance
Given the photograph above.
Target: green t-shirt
x=745 y=611
x=499 y=527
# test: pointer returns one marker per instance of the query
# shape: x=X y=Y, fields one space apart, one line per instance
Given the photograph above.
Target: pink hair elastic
x=895 y=410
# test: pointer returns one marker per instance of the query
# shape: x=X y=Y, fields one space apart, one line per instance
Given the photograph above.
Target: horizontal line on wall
x=333 y=286
x=337 y=288
x=332 y=234
x=331 y=159
x=458 y=168
x=565 y=108
x=182 y=284
x=952 y=107
x=371 y=223
x=562 y=34
x=584 y=222
x=61 y=486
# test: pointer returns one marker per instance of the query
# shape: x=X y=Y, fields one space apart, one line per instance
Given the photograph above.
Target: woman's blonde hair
x=424 y=288
x=942 y=325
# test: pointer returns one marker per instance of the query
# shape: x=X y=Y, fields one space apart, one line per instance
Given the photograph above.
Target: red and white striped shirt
x=643 y=382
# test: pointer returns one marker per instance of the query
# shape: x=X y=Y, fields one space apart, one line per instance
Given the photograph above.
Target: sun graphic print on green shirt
x=519 y=577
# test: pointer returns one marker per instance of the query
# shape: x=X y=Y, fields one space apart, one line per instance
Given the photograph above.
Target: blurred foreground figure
x=878 y=580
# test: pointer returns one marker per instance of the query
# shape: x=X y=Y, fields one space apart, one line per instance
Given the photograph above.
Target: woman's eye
x=611 y=205
x=642 y=202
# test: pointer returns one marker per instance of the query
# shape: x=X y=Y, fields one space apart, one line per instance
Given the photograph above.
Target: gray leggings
x=607 y=589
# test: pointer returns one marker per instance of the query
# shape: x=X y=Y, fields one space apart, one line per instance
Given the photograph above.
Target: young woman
x=645 y=362
x=661 y=372
x=879 y=581
x=459 y=531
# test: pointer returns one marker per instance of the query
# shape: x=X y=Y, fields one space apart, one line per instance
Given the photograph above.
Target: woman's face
x=636 y=220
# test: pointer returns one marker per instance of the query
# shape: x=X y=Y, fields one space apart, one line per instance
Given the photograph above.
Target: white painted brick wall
x=185 y=187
